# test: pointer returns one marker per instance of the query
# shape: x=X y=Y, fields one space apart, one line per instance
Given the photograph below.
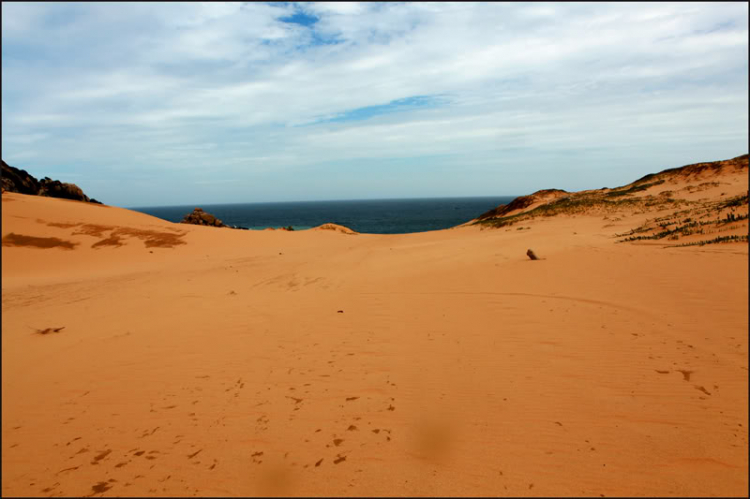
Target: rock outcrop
x=56 y=189
x=200 y=217
x=22 y=182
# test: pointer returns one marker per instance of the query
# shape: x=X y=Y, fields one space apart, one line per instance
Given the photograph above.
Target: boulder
x=56 y=189
x=15 y=180
x=200 y=217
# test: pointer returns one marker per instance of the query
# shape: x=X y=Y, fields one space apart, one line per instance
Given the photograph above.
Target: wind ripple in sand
x=532 y=295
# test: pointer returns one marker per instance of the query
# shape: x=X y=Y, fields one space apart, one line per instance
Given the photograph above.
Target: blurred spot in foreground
x=275 y=479
x=434 y=437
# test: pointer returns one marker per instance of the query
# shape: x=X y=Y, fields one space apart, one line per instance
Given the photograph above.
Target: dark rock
x=532 y=255
x=22 y=182
x=200 y=217
x=56 y=189
x=15 y=180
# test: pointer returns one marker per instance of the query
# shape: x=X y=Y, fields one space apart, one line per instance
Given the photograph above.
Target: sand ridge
x=336 y=228
x=314 y=363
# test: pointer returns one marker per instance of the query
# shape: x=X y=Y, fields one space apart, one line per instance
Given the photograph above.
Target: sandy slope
x=219 y=362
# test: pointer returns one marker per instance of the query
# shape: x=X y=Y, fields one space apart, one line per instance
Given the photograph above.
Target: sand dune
x=141 y=357
x=336 y=228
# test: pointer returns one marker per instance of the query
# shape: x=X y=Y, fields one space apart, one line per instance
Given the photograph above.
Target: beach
x=143 y=357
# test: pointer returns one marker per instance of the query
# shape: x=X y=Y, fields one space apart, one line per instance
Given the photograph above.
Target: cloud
x=282 y=93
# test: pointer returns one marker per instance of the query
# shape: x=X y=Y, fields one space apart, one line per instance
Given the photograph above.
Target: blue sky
x=146 y=104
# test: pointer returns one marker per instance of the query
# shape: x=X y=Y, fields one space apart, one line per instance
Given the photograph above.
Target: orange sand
x=217 y=362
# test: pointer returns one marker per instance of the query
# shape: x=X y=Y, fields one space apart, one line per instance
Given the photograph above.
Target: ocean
x=384 y=216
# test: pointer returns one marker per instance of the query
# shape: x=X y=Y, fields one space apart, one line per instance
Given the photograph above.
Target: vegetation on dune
x=699 y=168
x=705 y=218
x=690 y=219
x=720 y=220
x=720 y=239
x=619 y=197
x=684 y=230
x=568 y=205
x=633 y=189
x=735 y=201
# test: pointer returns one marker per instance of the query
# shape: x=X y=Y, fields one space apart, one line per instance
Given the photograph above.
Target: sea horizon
x=372 y=216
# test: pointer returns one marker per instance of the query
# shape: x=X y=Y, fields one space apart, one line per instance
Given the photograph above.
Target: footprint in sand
x=101 y=456
x=697 y=387
x=100 y=488
x=685 y=374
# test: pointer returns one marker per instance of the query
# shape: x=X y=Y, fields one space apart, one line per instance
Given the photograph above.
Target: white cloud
x=25 y=138
x=337 y=8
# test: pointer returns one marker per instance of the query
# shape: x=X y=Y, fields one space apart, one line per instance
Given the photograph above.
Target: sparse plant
x=720 y=239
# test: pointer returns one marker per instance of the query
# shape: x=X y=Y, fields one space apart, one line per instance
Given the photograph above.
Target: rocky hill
x=21 y=181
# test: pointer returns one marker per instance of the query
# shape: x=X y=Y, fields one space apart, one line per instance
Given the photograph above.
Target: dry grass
x=719 y=219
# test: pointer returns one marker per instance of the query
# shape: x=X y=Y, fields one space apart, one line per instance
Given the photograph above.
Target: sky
x=155 y=104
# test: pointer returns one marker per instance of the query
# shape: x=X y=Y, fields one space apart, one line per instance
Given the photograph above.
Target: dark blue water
x=386 y=216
